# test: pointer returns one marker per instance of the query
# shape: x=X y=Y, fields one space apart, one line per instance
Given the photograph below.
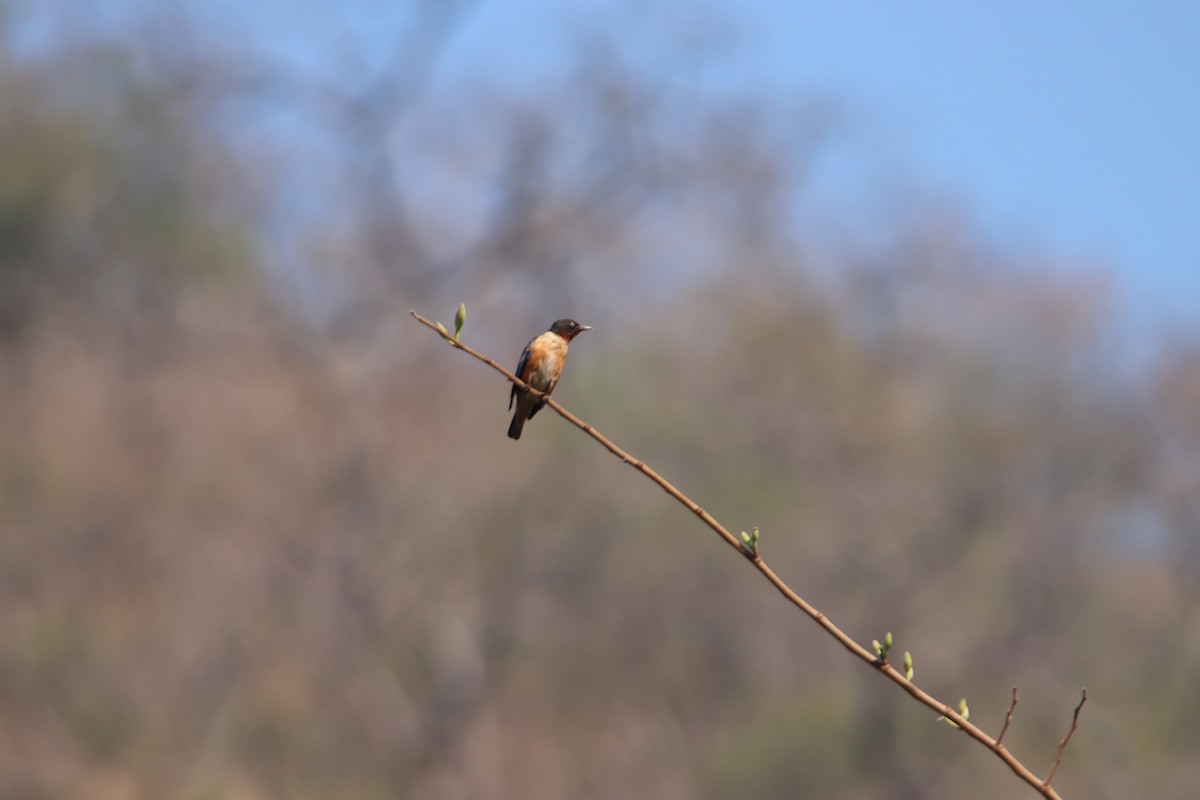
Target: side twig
x=753 y=556
x=1063 y=744
x=1007 y=718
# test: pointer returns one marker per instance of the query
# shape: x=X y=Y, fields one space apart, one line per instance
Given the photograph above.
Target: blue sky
x=1071 y=129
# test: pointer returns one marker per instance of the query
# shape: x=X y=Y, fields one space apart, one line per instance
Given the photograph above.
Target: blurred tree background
x=262 y=536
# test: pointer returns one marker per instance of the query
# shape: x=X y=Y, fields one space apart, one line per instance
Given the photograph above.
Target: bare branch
x=1007 y=718
x=754 y=557
x=1063 y=744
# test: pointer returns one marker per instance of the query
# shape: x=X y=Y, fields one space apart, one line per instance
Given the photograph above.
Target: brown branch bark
x=1063 y=744
x=868 y=657
x=1007 y=718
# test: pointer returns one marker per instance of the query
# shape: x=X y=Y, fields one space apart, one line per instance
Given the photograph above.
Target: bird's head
x=568 y=328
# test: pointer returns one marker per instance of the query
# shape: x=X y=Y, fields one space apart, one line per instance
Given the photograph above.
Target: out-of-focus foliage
x=261 y=536
x=107 y=195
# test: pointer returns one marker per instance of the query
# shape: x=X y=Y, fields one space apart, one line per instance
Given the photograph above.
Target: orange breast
x=546 y=357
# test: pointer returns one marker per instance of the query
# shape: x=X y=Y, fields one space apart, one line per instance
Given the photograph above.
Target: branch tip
x=1007 y=718
x=1062 y=746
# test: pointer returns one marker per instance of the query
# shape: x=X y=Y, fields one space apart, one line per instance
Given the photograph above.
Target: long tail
x=518 y=423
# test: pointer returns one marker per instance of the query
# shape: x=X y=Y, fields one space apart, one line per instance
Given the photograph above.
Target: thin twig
x=1063 y=744
x=863 y=654
x=1007 y=718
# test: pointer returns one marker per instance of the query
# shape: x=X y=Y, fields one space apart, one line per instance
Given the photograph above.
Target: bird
x=540 y=366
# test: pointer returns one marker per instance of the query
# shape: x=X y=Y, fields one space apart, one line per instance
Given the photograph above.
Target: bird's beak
x=585 y=327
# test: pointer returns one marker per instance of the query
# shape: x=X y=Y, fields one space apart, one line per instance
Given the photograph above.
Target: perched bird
x=540 y=365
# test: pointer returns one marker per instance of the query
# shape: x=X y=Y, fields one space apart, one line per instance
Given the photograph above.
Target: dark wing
x=520 y=373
